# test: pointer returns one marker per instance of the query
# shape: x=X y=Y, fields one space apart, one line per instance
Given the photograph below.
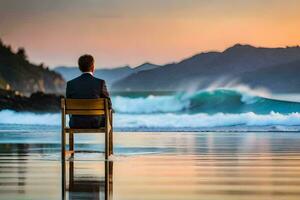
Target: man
x=86 y=86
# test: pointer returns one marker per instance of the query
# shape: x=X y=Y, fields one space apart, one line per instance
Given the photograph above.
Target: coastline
x=37 y=102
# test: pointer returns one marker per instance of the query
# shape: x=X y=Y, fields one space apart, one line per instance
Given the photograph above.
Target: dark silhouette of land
x=276 y=69
x=18 y=73
x=37 y=102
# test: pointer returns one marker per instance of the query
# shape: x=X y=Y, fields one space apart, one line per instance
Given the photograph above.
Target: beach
x=150 y=165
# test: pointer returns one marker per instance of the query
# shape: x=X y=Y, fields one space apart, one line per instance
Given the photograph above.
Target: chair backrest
x=84 y=106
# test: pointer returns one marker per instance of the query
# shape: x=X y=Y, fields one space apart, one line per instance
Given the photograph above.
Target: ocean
x=219 y=109
x=159 y=152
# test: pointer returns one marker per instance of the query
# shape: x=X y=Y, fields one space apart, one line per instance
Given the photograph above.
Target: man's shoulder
x=99 y=79
x=78 y=79
x=73 y=80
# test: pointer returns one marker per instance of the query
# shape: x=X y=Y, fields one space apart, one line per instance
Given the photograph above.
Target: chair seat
x=83 y=130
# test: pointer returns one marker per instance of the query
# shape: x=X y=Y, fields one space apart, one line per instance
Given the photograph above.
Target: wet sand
x=150 y=166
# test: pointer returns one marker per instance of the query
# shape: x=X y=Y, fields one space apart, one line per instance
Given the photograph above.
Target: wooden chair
x=86 y=107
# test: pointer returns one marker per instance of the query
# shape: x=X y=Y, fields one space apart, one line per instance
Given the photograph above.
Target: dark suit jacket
x=86 y=86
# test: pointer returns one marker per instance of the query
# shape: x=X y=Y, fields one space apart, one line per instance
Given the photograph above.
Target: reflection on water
x=86 y=187
x=150 y=166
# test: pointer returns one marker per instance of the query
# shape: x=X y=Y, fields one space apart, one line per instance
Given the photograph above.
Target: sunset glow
x=135 y=31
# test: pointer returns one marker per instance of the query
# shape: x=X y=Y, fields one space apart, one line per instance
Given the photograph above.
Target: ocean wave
x=206 y=101
x=221 y=107
x=149 y=104
x=165 y=120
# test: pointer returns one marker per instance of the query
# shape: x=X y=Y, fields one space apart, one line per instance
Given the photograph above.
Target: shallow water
x=151 y=166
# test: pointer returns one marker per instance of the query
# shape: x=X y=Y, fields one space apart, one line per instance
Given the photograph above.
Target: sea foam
x=206 y=108
x=165 y=120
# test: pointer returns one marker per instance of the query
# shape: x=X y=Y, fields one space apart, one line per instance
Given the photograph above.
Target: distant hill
x=282 y=78
x=144 y=67
x=17 y=73
x=110 y=75
x=255 y=66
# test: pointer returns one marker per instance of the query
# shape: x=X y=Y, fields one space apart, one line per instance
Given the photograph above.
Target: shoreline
x=230 y=129
x=37 y=102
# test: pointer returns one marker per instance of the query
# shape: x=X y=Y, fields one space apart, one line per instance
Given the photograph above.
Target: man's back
x=86 y=86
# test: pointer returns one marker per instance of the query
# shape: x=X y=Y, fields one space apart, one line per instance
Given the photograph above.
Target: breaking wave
x=206 y=101
x=185 y=111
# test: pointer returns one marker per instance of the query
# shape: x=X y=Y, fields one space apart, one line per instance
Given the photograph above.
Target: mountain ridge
x=205 y=68
x=109 y=74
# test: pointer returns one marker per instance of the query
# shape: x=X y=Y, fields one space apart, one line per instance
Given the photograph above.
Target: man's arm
x=106 y=94
x=68 y=95
x=104 y=90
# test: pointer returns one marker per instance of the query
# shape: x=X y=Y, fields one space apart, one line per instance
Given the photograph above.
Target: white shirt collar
x=91 y=73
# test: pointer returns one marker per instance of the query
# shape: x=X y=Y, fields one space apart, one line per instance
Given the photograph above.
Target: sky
x=131 y=32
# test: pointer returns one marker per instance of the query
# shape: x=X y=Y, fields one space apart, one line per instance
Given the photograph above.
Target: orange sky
x=121 y=32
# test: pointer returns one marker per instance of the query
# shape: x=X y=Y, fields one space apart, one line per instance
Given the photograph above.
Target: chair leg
x=63 y=144
x=110 y=194
x=111 y=142
x=71 y=142
x=71 y=175
x=63 y=179
x=111 y=147
x=108 y=180
x=106 y=144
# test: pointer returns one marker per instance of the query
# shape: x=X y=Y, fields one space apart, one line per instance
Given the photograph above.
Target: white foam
x=204 y=120
x=168 y=120
x=12 y=117
x=239 y=87
x=150 y=104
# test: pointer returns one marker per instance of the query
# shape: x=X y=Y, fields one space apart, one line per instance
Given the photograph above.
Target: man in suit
x=86 y=86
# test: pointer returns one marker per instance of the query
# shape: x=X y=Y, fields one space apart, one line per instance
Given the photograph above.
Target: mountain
x=237 y=63
x=110 y=75
x=281 y=78
x=144 y=67
x=17 y=73
x=67 y=72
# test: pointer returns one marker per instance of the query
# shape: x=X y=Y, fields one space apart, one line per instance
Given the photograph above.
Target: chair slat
x=82 y=130
x=85 y=112
x=85 y=104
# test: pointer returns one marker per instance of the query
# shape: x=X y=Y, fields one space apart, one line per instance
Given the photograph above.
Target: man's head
x=86 y=63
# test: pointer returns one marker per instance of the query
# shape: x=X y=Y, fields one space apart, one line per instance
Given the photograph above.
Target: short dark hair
x=85 y=62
